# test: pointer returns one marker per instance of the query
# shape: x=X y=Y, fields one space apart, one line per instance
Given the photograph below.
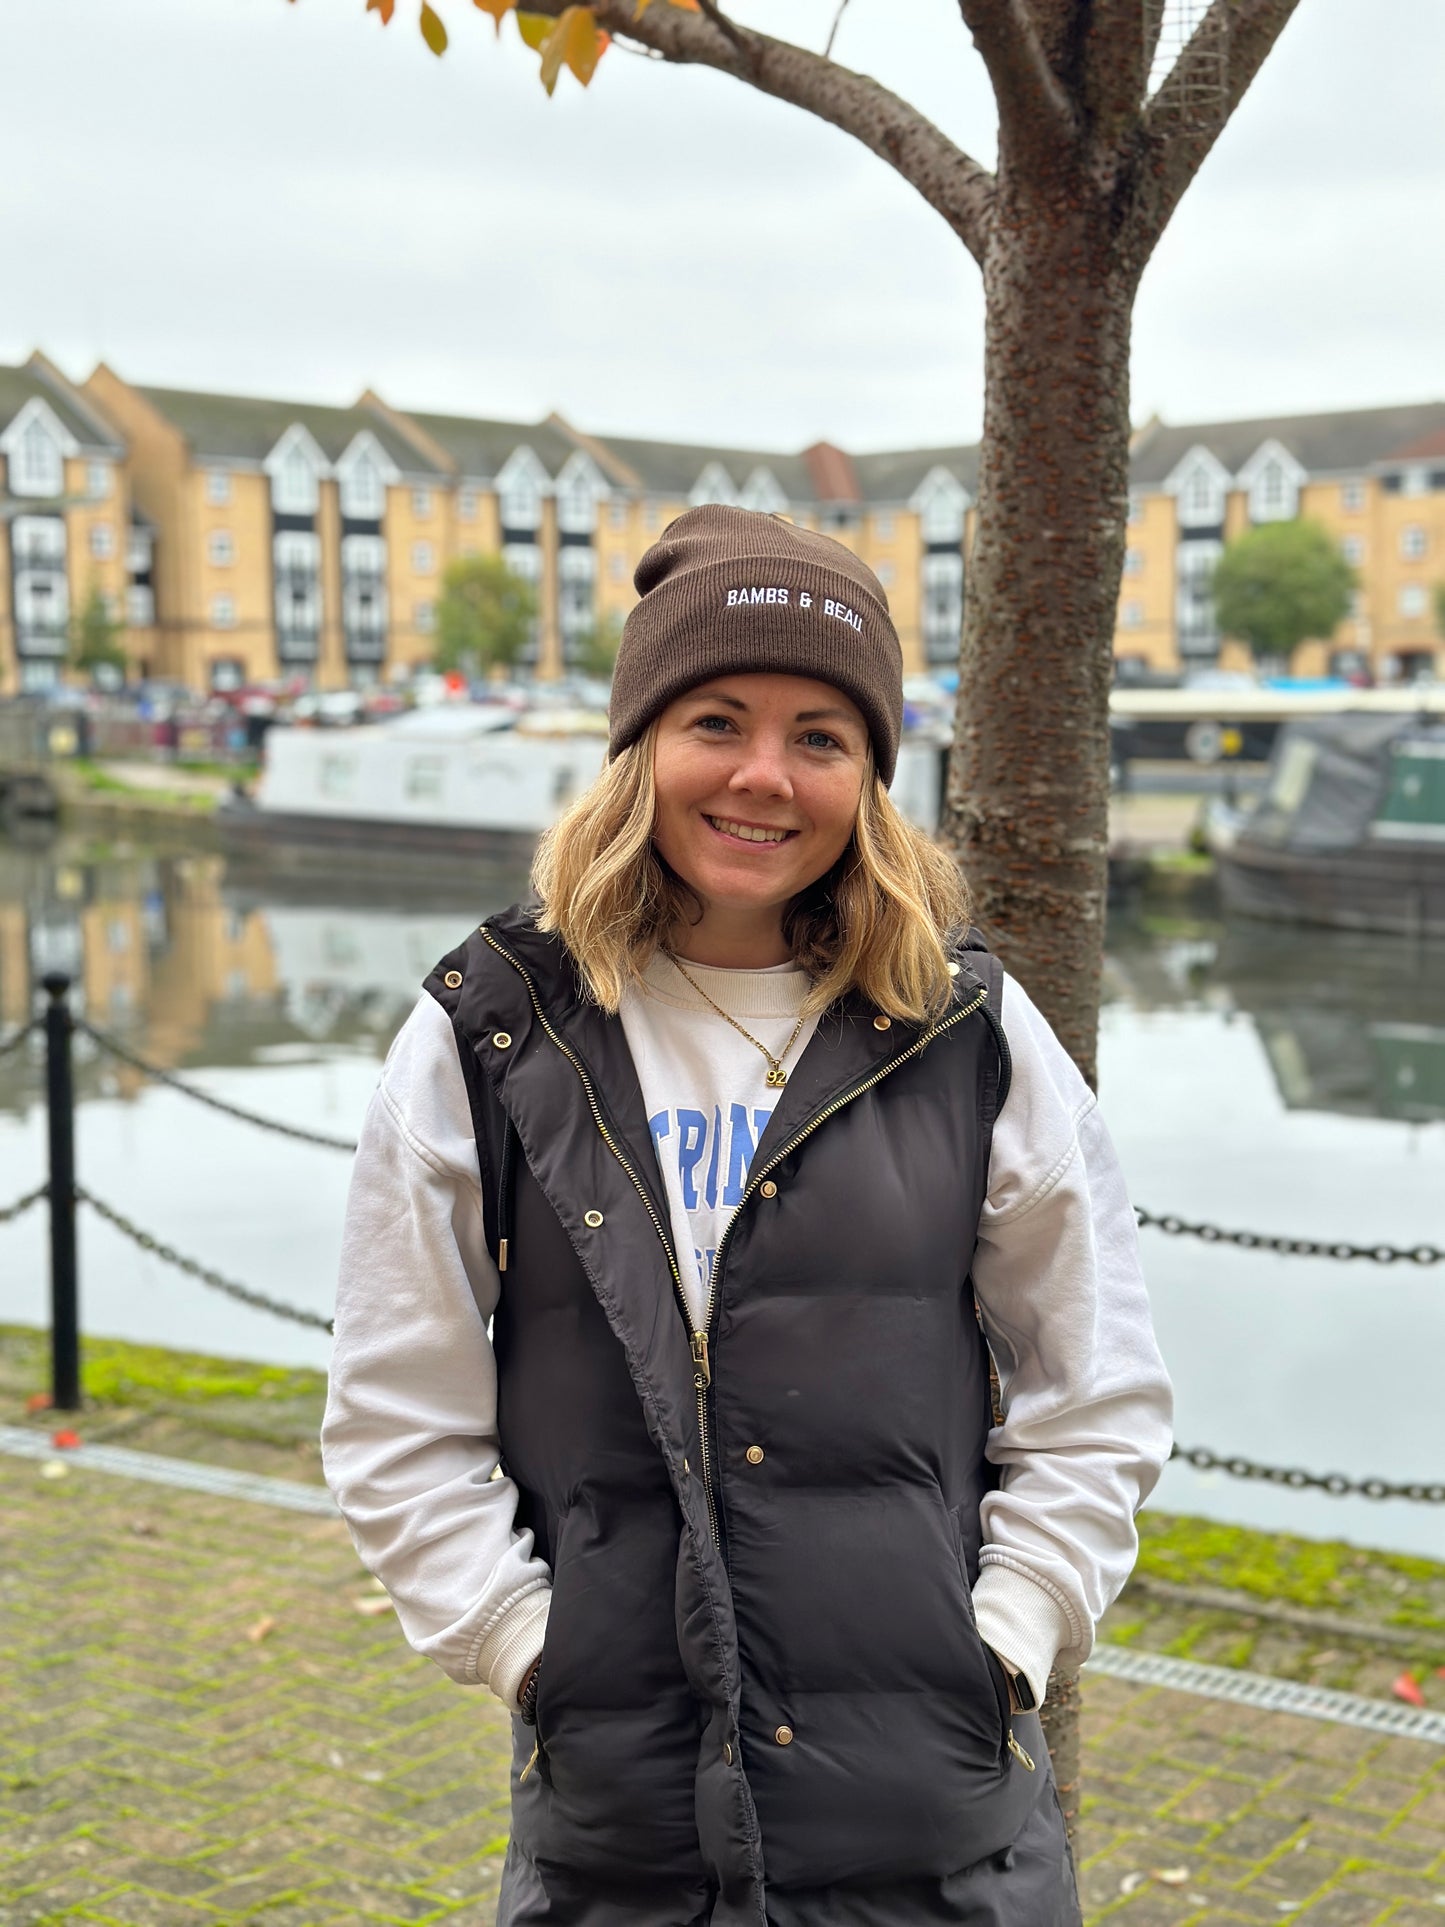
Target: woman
x=725 y=1139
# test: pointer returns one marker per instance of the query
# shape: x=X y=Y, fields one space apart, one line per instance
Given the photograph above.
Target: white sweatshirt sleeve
x=409 y=1441
x=1088 y=1406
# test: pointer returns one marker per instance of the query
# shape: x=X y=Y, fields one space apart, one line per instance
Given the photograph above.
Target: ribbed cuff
x=513 y=1643
x=1022 y=1623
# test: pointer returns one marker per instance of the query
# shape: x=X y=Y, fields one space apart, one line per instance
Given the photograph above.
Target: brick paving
x=202 y=1725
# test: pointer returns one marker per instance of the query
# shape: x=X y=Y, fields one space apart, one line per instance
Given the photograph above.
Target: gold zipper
x=702 y=1366
x=702 y=1373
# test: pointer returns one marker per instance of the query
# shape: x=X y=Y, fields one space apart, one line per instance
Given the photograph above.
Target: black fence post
x=64 y=1283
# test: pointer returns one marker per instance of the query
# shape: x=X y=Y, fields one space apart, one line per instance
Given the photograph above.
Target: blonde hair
x=877 y=923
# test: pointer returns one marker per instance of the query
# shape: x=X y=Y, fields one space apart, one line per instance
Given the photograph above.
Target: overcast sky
x=286 y=199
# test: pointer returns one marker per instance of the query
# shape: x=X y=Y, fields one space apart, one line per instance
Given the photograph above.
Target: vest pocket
x=998 y=1678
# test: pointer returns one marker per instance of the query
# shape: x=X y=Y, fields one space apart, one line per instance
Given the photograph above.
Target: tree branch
x=1182 y=122
x=1035 y=113
x=951 y=182
x=1119 y=42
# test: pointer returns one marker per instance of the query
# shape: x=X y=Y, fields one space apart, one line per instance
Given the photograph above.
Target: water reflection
x=1289 y=1081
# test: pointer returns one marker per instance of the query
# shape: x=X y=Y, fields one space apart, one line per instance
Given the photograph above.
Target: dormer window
x=1273 y=478
x=1202 y=500
x=295 y=466
x=713 y=485
x=762 y=491
x=520 y=487
x=579 y=488
x=1199 y=484
x=941 y=502
x=363 y=493
x=37 y=464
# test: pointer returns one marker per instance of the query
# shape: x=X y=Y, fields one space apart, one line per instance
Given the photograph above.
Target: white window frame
x=1352 y=497
x=220 y=548
x=140 y=605
x=579 y=487
x=424 y=618
x=1414 y=542
x=296 y=560
x=522 y=482
x=36 y=445
x=1131 y=615
x=423 y=558
x=1352 y=548
x=1274 y=479
x=714 y=484
x=1194 y=615
x=296 y=466
x=1133 y=562
x=1413 y=601
x=885 y=527
x=466 y=505
x=1415 y=480
x=576 y=590
x=421 y=503
x=942 y=584
x=617 y=512
x=1199 y=483
x=364 y=472
x=218 y=488
x=363 y=596
x=941 y=503
x=763 y=491
x=222 y=611
x=524 y=559
x=98 y=478
x=102 y=541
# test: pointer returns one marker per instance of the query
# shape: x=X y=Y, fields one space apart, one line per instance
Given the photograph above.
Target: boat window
x=338 y=773
x=1292 y=778
x=425 y=777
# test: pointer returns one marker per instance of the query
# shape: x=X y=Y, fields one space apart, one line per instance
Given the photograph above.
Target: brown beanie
x=730 y=591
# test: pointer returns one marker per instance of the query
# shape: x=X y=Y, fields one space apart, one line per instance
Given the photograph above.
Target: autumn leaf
x=576 y=41
x=386 y=8
x=496 y=8
x=1407 y=1688
x=534 y=28
x=371 y=1608
x=432 y=30
x=683 y=6
x=38 y=1402
x=266 y=1624
x=65 y=1439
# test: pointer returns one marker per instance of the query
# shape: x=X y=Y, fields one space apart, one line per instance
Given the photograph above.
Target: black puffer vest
x=762 y=1697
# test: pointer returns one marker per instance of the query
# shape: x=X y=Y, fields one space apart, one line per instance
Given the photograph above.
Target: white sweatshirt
x=410 y=1436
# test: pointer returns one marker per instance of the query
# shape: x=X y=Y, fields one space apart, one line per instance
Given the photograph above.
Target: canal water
x=1253 y=1076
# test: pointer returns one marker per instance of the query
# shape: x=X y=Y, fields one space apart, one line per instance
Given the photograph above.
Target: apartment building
x=245 y=538
x=69 y=526
x=1374 y=478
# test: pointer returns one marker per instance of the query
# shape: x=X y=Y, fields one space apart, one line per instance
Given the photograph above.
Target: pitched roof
x=245 y=428
x=1345 y=442
x=37 y=377
x=671 y=468
x=892 y=475
x=1423 y=449
x=480 y=448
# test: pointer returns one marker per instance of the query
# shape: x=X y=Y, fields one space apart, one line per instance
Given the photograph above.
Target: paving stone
x=160 y=1768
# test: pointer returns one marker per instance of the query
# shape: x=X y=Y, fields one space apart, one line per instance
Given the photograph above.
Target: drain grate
x=1271 y=1695
x=187 y=1473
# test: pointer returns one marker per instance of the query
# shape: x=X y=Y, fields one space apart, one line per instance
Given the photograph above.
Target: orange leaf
x=432 y=30
x=386 y=8
x=65 y=1439
x=1407 y=1688
x=683 y=6
x=576 y=41
x=38 y=1402
x=496 y=8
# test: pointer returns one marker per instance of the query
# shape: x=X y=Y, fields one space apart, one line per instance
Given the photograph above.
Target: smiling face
x=757 y=779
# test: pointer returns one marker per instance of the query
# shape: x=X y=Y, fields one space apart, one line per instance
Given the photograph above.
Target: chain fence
x=1335 y=1483
x=1213 y=1234
x=203 y=1274
x=23 y=1203
x=18 y=1037
x=162 y=1076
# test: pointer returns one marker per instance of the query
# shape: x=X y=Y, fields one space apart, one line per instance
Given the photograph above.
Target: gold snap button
x=767 y=1189
x=453 y=980
x=882 y=1023
x=784 y=1736
x=727 y=1752
x=503 y=1040
x=592 y=1219
x=754 y=1455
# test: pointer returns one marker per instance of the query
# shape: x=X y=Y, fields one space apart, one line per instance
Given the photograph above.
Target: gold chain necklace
x=777 y=1076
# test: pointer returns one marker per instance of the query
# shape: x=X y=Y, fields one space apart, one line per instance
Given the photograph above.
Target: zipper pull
x=536 y=1749
x=1018 y=1752
x=703 y=1376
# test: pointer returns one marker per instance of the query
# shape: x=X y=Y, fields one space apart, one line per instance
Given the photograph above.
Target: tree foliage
x=1282 y=584
x=95 y=636
x=486 y=617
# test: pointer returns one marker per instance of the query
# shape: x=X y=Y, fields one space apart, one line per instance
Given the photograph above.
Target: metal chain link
x=17 y=1037
x=1381 y=1254
x=1335 y=1483
x=22 y=1204
x=242 y=1293
x=204 y=1097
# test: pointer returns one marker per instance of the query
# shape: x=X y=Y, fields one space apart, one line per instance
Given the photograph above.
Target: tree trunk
x=1028 y=796
x=1028 y=793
